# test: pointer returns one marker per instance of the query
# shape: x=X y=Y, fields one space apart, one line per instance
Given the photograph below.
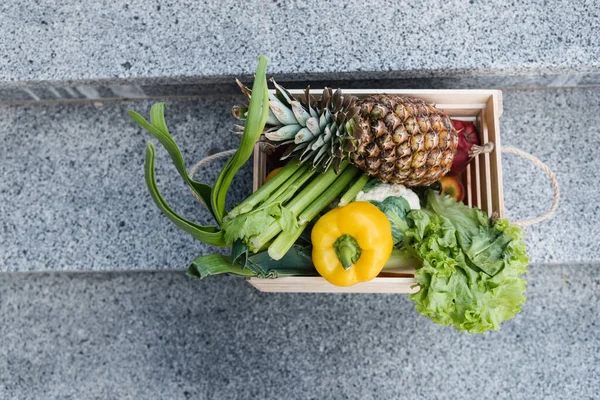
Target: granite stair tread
x=141 y=335
x=137 y=41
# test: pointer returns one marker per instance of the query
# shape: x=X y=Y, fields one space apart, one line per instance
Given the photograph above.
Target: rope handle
x=196 y=167
x=548 y=171
x=511 y=150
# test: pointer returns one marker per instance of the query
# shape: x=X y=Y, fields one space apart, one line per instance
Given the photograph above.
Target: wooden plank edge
x=493 y=109
x=486 y=173
x=320 y=285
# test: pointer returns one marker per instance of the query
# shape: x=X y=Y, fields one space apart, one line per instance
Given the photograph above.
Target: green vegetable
x=253 y=128
x=288 y=173
x=275 y=212
x=158 y=128
x=468 y=267
x=214 y=199
x=296 y=262
x=454 y=285
x=250 y=218
x=249 y=224
x=371 y=184
x=215 y=264
x=482 y=243
x=403 y=260
x=207 y=234
x=286 y=239
x=282 y=214
x=395 y=208
x=351 y=193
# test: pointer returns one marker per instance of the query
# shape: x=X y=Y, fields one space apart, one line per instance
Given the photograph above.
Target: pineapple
x=392 y=138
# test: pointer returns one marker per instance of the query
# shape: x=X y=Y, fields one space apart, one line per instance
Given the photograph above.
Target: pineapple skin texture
x=403 y=140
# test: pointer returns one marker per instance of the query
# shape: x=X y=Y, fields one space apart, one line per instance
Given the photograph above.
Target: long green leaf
x=299 y=257
x=297 y=262
x=207 y=234
x=215 y=264
x=158 y=128
x=239 y=253
x=253 y=128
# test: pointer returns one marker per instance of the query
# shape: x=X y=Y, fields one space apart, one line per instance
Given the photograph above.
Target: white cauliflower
x=382 y=191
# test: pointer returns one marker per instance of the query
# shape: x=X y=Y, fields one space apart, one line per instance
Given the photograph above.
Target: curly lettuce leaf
x=482 y=243
x=455 y=288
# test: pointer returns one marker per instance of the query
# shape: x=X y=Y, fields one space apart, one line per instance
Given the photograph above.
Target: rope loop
x=555 y=187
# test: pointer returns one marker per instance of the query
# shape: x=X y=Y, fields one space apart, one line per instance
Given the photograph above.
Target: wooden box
x=482 y=179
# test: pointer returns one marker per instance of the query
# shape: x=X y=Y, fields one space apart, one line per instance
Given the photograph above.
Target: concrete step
x=72 y=195
x=138 y=49
x=161 y=335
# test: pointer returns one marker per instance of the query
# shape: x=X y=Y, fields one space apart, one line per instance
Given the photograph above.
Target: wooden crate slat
x=486 y=177
x=434 y=96
x=316 y=284
x=464 y=114
x=469 y=187
x=476 y=172
x=491 y=113
x=260 y=167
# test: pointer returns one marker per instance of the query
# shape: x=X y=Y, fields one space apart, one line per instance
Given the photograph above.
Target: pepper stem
x=347 y=250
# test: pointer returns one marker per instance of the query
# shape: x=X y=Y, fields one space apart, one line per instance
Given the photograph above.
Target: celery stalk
x=274 y=184
x=328 y=196
x=285 y=192
x=257 y=242
x=354 y=190
x=286 y=240
x=314 y=190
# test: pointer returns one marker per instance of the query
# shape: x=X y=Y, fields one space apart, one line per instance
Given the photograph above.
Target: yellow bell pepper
x=351 y=244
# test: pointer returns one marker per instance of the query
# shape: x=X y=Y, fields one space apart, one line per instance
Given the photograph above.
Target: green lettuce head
x=471 y=267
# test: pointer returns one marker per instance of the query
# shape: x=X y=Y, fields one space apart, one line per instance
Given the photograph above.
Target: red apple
x=467 y=137
x=453 y=187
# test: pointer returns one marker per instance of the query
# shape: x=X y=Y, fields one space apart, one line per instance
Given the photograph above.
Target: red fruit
x=467 y=137
x=468 y=146
x=452 y=187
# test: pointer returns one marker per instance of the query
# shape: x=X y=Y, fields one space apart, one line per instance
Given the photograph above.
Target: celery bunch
x=277 y=213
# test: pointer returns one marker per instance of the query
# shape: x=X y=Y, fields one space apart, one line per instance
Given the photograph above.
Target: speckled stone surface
x=562 y=128
x=72 y=195
x=134 y=39
x=164 y=336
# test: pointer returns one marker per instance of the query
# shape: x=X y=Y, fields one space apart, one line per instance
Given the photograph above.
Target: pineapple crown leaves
x=322 y=132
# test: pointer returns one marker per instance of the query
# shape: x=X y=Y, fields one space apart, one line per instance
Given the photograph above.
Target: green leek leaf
x=239 y=253
x=158 y=129
x=253 y=128
x=297 y=261
x=207 y=234
x=215 y=264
